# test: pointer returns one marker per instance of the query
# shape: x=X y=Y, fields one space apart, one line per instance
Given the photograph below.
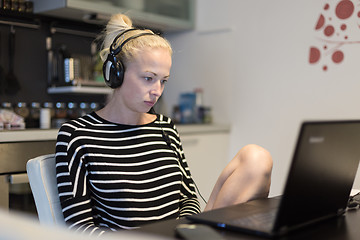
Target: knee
x=256 y=157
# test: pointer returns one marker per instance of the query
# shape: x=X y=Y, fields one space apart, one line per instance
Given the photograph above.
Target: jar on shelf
x=84 y=108
x=45 y=116
x=7 y=106
x=72 y=111
x=33 y=121
x=14 y=5
x=60 y=115
x=94 y=106
x=21 y=6
x=6 y=4
x=22 y=110
x=29 y=6
x=60 y=110
x=50 y=105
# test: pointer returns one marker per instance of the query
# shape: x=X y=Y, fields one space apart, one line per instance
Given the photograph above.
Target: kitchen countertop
x=50 y=134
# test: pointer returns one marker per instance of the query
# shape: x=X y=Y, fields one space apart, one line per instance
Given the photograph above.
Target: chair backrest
x=42 y=178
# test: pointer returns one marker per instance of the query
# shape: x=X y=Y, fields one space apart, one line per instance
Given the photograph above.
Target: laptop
x=318 y=185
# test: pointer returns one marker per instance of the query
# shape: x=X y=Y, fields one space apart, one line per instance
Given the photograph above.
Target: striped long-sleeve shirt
x=114 y=176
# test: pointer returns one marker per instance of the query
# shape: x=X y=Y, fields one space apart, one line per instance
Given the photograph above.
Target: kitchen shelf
x=79 y=90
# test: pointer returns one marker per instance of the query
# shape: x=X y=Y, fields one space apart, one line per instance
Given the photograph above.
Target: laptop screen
x=321 y=174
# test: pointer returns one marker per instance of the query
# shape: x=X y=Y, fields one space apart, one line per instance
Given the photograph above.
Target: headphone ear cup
x=113 y=71
x=119 y=77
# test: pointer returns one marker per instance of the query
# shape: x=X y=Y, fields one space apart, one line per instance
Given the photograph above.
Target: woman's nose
x=157 y=88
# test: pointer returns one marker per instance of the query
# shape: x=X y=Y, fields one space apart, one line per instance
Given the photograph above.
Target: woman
x=123 y=166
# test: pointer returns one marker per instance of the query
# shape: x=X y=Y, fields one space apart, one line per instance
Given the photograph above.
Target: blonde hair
x=120 y=23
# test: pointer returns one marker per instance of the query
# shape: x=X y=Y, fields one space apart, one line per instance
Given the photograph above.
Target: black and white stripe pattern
x=113 y=176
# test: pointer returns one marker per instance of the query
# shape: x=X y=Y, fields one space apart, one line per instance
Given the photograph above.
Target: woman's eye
x=164 y=81
x=148 y=78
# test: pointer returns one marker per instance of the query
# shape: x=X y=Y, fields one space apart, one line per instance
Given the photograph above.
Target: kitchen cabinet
x=16 y=148
x=206 y=150
x=164 y=15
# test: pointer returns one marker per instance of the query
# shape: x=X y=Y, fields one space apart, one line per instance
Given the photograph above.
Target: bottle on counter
x=84 y=108
x=72 y=111
x=29 y=6
x=21 y=6
x=45 y=116
x=22 y=110
x=94 y=106
x=7 y=106
x=207 y=115
x=199 y=106
x=14 y=5
x=60 y=115
x=6 y=4
x=176 y=114
x=33 y=121
x=50 y=105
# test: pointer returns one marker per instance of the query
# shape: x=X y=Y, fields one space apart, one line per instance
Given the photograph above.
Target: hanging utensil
x=2 y=83
x=12 y=85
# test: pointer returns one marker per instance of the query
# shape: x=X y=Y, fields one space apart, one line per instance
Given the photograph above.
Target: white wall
x=202 y=59
x=251 y=58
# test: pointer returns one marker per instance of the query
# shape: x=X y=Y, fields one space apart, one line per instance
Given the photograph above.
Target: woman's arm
x=189 y=203
x=72 y=184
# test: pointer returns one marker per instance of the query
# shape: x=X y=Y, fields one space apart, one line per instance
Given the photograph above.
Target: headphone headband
x=117 y=37
x=133 y=37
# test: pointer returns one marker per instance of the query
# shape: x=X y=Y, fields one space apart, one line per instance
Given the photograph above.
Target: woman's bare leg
x=246 y=177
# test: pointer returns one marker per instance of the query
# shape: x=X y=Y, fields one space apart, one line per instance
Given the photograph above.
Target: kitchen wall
x=252 y=59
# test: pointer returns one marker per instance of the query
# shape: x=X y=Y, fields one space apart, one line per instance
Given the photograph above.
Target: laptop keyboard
x=263 y=220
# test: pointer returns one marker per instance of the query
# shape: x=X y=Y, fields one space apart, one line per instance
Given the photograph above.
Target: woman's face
x=144 y=79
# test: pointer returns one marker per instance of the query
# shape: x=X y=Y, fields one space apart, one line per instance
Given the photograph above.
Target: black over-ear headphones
x=113 y=68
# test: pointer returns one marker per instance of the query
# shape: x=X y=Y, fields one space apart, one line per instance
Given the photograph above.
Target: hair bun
x=123 y=20
x=116 y=25
x=119 y=22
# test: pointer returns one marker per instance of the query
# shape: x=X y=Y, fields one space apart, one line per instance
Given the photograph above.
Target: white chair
x=42 y=178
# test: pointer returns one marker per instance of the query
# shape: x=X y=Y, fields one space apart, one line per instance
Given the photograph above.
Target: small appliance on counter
x=191 y=108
